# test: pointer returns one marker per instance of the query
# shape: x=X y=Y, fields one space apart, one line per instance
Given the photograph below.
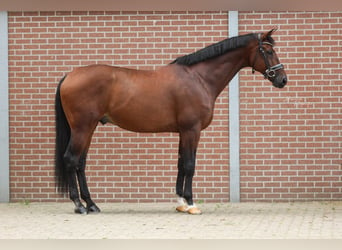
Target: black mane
x=215 y=49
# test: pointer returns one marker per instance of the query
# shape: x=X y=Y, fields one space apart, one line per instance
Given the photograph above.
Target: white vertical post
x=4 y=114
x=234 y=121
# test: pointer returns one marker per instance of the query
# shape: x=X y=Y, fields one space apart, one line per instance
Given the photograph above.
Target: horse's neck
x=218 y=72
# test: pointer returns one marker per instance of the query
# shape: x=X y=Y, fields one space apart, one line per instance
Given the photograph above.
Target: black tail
x=62 y=140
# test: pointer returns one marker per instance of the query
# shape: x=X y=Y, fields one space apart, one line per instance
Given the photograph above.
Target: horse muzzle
x=278 y=79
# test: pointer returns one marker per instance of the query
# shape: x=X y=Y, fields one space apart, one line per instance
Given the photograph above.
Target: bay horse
x=178 y=97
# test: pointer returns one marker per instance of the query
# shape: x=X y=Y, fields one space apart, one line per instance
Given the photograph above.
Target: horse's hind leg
x=74 y=158
x=82 y=181
x=72 y=162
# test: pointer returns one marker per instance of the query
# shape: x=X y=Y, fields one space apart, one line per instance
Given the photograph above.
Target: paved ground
x=310 y=220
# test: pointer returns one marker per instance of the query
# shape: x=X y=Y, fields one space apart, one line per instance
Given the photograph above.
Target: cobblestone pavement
x=309 y=220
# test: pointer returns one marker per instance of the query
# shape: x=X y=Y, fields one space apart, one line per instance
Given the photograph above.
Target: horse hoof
x=182 y=209
x=186 y=209
x=80 y=210
x=93 y=209
x=194 y=211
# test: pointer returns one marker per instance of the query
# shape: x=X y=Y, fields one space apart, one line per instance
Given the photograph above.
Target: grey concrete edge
x=234 y=121
x=4 y=110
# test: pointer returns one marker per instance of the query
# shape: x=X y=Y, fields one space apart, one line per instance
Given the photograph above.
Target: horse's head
x=265 y=60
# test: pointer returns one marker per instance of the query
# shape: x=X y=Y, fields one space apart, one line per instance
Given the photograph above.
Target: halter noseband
x=270 y=72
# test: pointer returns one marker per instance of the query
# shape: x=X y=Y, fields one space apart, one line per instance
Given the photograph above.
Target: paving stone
x=298 y=220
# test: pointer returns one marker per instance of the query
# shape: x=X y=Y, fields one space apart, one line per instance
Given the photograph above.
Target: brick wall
x=290 y=138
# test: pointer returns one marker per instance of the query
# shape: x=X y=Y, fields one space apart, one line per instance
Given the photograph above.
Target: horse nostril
x=285 y=80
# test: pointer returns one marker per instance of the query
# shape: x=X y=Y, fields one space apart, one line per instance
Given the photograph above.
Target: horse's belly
x=144 y=121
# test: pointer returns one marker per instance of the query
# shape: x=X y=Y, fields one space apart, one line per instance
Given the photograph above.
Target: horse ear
x=266 y=36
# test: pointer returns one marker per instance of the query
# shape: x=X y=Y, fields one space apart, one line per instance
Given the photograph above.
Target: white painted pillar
x=234 y=121
x=4 y=114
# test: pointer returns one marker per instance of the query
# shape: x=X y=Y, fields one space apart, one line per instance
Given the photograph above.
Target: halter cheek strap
x=271 y=70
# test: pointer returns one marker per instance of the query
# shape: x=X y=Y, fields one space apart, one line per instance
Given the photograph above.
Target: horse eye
x=270 y=52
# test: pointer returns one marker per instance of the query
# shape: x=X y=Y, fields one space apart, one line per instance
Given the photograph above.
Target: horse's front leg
x=186 y=170
x=183 y=206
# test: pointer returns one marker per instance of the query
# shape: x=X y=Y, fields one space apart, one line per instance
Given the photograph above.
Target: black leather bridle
x=270 y=72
